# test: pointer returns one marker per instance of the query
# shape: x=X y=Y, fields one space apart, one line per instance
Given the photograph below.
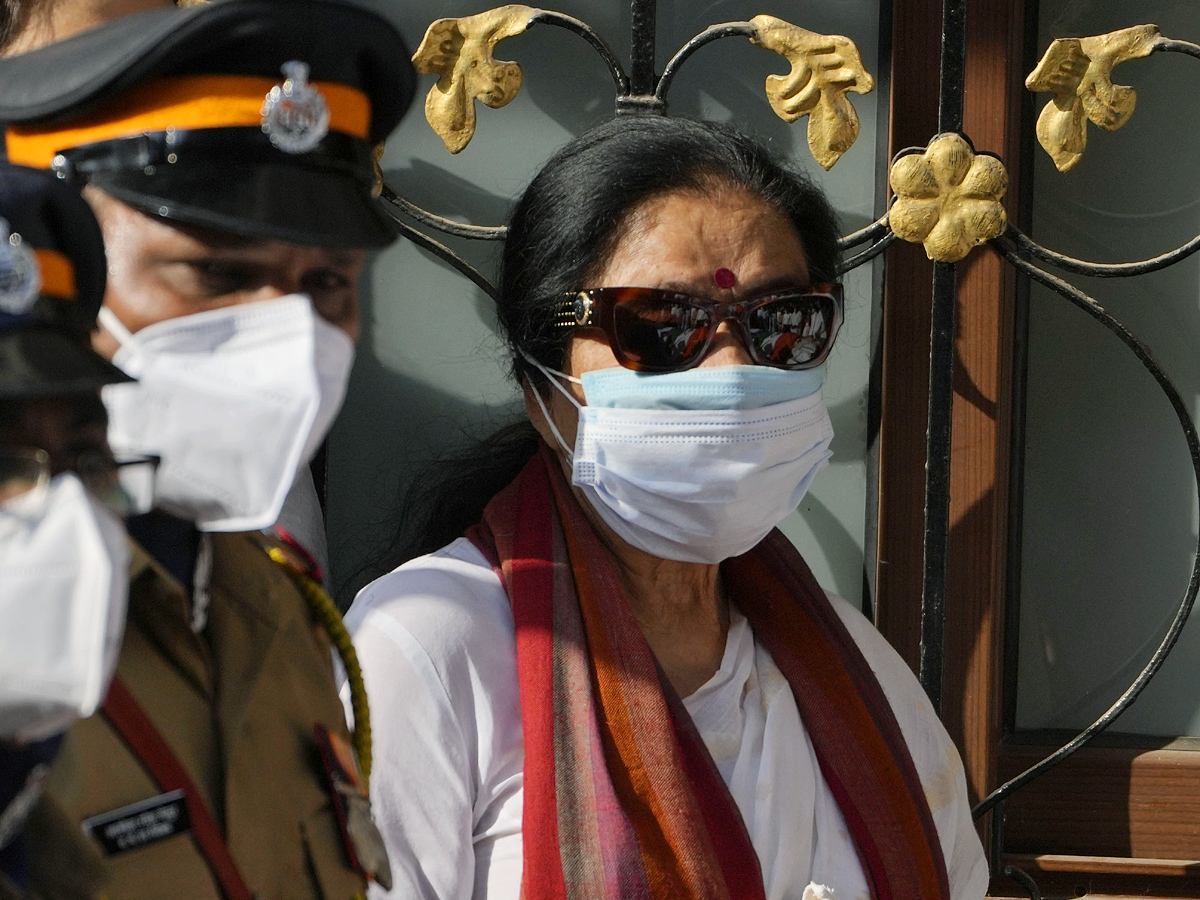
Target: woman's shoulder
x=455 y=581
x=870 y=641
x=435 y=640
x=447 y=604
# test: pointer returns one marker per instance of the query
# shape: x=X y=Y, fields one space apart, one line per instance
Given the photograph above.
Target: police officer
x=63 y=555
x=227 y=151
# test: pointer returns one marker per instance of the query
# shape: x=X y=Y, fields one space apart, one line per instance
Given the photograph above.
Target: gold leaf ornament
x=824 y=68
x=948 y=198
x=459 y=52
x=1078 y=71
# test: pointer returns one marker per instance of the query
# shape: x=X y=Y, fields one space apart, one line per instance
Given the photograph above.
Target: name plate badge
x=139 y=824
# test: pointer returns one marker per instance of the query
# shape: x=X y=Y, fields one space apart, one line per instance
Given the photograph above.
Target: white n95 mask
x=235 y=400
x=63 y=592
x=699 y=485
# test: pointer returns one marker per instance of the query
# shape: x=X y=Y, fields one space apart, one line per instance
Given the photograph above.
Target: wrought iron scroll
x=946 y=196
x=1007 y=250
x=460 y=51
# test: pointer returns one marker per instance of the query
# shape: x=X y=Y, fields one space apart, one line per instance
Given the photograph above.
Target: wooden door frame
x=1124 y=794
x=983 y=402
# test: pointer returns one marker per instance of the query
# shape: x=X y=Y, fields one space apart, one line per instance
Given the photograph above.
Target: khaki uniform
x=8 y=890
x=237 y=704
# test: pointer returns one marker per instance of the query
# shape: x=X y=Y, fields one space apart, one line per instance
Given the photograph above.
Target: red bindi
x=724 y=278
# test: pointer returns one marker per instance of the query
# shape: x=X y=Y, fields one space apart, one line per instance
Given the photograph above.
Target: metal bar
x=576 y=26
x=1170 y=46
x=447 y=226
x=954 y=65
x=937 y=479
x=867 y=255
x=710 y=34
x=1142 y=352
x=1026 y=247
x=996 y=853
x=643 y=23
x=1021 y=877
x=941 y=382
x=876 y=229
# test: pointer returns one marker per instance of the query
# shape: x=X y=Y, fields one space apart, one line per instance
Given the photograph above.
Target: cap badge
x=295 y=115
x=20 y=275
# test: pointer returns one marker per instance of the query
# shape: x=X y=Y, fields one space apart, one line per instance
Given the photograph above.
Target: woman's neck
x=680 y=608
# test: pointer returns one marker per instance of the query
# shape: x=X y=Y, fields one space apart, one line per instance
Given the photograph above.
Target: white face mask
x=63 y=591
x=698 y=485
x=235 y=400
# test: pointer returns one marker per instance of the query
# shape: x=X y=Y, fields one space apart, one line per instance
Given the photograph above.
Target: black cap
x=52 y=276
x=256 y=117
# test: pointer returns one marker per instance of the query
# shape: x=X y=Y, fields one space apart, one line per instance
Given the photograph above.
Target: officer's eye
x=323 y=281
x=221 y=276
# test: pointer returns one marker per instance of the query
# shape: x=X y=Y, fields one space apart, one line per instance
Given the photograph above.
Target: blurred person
x=28 y=24
x=227 y=152
x=63 y=556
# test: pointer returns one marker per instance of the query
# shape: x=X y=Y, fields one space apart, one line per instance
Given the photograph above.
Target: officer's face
x=44 y=23
x=69 y=429
x=158 y=271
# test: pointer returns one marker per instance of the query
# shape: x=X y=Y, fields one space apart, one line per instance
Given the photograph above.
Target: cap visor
x=320 y=207
x=40 y=362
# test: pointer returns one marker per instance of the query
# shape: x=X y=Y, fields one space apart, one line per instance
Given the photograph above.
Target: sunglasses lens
x=658 y=330
x=793 y=332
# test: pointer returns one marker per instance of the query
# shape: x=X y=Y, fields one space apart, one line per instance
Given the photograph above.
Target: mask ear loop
x=115 y=326
x=552 y=376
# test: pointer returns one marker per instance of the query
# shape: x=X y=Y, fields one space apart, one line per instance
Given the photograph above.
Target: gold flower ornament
x=459 y=51
x=824 y=68
x=948 y=198
x=1079 y=73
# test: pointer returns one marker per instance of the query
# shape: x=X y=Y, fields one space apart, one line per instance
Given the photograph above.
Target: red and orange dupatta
x=622 y=799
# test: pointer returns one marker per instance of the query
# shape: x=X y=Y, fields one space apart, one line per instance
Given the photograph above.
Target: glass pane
x=430 y=370
x=1109 y=511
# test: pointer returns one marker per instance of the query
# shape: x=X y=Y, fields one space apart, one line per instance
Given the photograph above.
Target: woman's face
x=678 y=241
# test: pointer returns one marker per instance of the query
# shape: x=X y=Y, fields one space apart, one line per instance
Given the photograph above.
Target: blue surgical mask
x=695 y=466
x=703 y=388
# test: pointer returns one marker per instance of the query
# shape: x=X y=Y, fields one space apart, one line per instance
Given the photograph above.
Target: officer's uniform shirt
x=238 y=704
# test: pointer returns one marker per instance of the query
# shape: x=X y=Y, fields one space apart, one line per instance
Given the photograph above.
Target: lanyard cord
x=327 y=615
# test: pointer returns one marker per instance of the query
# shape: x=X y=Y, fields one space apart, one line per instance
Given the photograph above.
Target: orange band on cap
x=58 y=275
x=184 y=102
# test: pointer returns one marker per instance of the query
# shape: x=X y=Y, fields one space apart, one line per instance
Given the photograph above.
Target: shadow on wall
x=391 y=426
x=415 y=424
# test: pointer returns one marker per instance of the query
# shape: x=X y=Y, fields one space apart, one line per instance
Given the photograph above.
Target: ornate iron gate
x=944 y=196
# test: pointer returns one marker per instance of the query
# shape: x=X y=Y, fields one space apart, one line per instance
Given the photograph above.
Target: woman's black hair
x=563 y=228
x=575 y=210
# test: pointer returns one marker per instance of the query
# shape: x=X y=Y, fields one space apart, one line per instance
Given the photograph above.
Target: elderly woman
x=623 y=682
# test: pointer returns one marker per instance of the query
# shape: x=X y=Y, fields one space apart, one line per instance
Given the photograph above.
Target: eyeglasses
x=654 y=330
x=125 y=486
